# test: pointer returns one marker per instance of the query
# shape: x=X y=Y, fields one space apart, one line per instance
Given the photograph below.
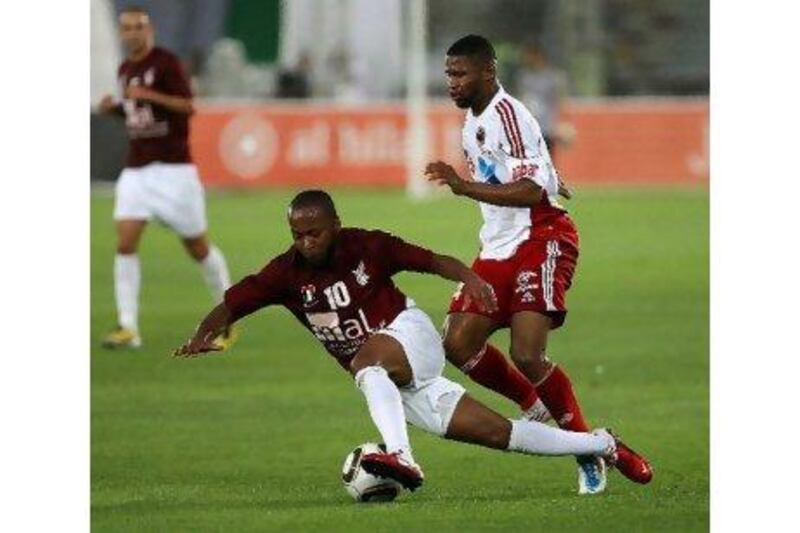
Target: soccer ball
x=363 y=486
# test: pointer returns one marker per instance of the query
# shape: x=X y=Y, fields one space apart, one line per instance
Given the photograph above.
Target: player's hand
x=444 y=174
x=107 y=104
x=475 y=289
x=198 y=345
x=137 y=92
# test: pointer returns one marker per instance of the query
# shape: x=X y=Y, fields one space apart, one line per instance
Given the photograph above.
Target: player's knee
x=126 y=248
x=362 y=373
x=459 y=346
x=525 y=357
x=355 y=365
x=520 y=354
x=359 y=363
x=198 y=251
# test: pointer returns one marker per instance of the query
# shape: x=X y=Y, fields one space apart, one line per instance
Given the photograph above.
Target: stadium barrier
x=617 y=141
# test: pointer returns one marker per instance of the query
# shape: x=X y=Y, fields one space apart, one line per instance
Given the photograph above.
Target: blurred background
x=352 y=92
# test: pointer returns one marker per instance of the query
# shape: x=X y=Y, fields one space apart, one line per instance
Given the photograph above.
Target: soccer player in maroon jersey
x=159 y=180
x=338 y=283
x=529 y=251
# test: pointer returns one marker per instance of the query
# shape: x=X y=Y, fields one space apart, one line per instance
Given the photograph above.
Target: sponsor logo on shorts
x=527 y=298
x=525 y=281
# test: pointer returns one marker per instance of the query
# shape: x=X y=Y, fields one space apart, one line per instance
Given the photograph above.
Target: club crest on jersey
x=361 y=274
x=149 y=76
x=480 y=136
x=308 y=293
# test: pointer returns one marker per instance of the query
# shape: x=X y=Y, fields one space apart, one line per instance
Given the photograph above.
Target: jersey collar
x=499 y=95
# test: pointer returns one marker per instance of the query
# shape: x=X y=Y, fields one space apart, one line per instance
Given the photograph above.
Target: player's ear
x=490 y=70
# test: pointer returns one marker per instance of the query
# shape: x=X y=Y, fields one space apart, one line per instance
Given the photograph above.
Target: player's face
x=464 y=79
x=136 y=31
x=313 y=231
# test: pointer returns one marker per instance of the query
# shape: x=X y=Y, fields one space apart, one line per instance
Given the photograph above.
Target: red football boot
x=632 y=465
x=394 y=466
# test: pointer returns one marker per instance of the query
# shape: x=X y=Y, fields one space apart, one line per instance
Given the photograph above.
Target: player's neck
x=140 y=54
x=481 y=104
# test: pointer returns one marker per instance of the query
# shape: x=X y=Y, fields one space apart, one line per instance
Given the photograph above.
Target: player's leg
x=184 y=210
x=529 y=330
x=475 y=423
x=466 y=347
x=182 y=206
x=379 y=368
x=131 y=213
x=212 y=263
x=127 y=280
x=528 y=342
x=215 y=272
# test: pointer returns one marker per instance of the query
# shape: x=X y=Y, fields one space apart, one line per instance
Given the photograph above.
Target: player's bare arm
x=209 y=329
x=179 y=104
x=522 y=193
x=475 y=288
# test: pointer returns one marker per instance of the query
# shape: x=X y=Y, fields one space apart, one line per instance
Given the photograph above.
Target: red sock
x=559 y=398
x=494 y=371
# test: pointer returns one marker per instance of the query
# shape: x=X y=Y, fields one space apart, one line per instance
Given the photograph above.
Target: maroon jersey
x=155 y=132
x=343 y=302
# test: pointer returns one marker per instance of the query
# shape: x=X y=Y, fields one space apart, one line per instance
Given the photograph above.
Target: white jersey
x=502 y=145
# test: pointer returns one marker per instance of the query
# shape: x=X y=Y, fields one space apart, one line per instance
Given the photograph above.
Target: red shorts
x=535 y=278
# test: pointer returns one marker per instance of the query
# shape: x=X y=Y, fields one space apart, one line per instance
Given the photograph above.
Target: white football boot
x=592 y=470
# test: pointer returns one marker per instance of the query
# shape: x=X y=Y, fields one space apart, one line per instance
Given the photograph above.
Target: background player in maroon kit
x=532 y=249
x=337 y=283
x=159 y=180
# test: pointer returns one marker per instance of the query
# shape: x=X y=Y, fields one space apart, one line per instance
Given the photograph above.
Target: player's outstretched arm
x=209 y=329
x=520 y=193
x=475 y=288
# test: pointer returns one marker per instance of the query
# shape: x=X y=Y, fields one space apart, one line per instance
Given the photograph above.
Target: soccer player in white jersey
x=529 y=250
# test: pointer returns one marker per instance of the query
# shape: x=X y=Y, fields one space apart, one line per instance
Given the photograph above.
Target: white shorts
x=430 y=399
x=168 y=192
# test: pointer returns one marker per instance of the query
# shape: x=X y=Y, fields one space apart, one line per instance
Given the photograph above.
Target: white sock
x=215 y=272
x=540 y=439
x=127 y=277
x=385 y=407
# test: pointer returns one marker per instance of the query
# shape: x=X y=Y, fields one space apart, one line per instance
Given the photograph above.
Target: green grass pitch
x=254 y=439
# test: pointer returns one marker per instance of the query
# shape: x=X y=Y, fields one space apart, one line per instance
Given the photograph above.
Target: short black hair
x=474 y=46
x=314 y=198
x=134 y=8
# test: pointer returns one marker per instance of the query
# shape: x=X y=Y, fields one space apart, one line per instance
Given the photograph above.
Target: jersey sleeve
x=176 y=81
x=256 y=291
x=523 y=143
x=399 y=255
